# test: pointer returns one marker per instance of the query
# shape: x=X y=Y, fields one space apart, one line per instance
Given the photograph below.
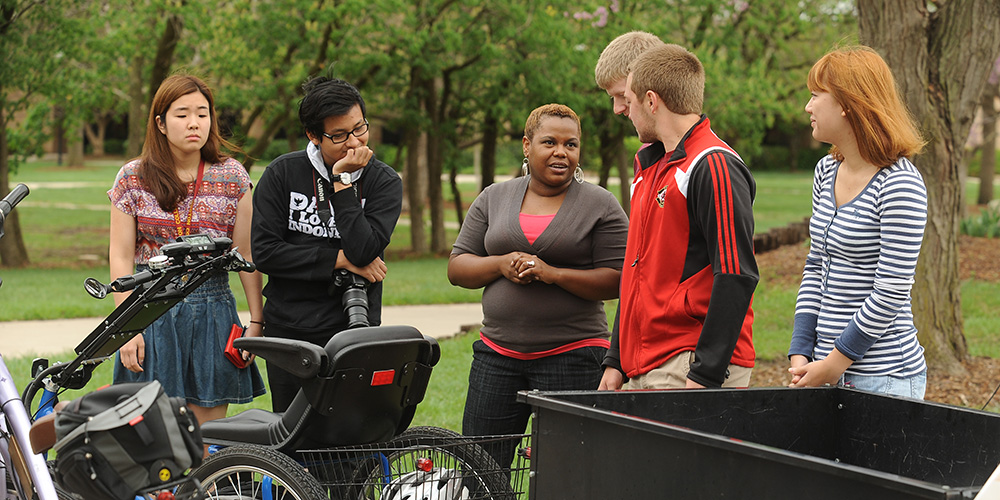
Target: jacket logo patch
x=661 y=196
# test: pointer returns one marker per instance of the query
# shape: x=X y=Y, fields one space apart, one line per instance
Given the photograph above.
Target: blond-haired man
x=685 y=318
x=612 y=65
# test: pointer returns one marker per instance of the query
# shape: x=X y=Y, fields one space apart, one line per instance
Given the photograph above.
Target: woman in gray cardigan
x=548 y=248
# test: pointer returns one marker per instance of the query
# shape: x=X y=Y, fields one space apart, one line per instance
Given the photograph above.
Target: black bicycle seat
x=362 y=387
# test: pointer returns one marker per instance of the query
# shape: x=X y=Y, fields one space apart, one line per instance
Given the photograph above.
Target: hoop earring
x=524 y=167
x=578 y=173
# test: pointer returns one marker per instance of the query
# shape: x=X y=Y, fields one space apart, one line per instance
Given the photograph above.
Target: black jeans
x=491 y=407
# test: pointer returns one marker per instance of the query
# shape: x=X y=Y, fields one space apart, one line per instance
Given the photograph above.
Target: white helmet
x=436 y=484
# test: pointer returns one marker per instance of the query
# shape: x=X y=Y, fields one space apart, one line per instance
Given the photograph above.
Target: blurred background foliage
x=448 y=82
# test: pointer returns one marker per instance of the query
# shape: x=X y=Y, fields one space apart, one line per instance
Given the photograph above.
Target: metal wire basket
x=426 y=466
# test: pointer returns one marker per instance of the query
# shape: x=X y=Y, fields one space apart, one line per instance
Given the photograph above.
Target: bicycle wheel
x=252 y=472
x=380 y=476
x=16 y=488
x=62 y=493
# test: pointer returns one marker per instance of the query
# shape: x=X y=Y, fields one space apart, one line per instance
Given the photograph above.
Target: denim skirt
x=184 y=350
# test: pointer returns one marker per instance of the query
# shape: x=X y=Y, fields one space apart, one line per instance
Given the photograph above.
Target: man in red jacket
x=685 y=317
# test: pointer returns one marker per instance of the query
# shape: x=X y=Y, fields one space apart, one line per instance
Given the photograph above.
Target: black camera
x=355 y=296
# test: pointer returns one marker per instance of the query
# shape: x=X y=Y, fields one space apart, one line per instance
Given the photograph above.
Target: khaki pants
x=673 y=375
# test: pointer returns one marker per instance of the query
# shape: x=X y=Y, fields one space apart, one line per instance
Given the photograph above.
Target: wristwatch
x=343 y=178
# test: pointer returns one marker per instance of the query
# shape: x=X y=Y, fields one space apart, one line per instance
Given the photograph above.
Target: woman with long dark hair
x=183 y=184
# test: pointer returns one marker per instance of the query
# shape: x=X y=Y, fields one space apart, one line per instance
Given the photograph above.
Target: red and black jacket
x=689 y=272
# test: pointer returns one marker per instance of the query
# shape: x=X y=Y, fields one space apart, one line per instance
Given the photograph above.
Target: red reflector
x=135 y=420
x=425 y=464
x=383 y=377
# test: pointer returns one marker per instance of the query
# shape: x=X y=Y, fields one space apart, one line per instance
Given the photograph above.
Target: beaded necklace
x=185 y=229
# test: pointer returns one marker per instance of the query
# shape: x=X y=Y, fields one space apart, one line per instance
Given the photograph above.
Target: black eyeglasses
x=344 y=136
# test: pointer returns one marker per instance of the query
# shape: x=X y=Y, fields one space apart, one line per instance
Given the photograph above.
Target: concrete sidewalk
x=24 y=338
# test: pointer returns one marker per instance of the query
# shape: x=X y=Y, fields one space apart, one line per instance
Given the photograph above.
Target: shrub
x=985 y=224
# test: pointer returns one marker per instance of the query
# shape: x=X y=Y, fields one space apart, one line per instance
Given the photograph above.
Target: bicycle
x=180 y=268
x=345 y=435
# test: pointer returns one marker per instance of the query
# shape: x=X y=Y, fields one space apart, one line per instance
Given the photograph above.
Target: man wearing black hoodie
x=330 y=207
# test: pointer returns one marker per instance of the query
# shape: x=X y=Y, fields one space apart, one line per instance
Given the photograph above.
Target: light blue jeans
x=910 y=387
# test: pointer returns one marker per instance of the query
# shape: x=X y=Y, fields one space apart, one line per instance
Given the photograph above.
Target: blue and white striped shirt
x=855 y=292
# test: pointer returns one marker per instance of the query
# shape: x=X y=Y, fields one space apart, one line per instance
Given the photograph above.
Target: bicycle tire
x=242 y=473
x=483 y=477
x=16 y=473
x=61 y=492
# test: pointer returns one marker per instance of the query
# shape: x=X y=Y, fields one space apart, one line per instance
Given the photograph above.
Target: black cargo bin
x=829 y=442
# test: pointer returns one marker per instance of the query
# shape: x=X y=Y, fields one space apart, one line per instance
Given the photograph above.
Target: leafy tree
x=35 y=48
x=431 y=60
x=262 y=52
x=941 y=53
x=146 y=34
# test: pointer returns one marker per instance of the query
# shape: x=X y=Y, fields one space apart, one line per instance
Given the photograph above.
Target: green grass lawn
x=781 y=198
x=69 y=245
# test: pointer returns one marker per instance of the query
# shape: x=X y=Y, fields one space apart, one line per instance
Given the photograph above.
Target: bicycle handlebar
x=12 y=199
x=188 y=267
x=179 y=257
x=126 y=283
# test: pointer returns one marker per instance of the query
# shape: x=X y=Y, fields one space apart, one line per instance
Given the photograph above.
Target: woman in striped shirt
x=853 y=321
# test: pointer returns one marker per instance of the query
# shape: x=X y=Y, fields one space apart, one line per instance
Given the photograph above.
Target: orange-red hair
x=861 y=82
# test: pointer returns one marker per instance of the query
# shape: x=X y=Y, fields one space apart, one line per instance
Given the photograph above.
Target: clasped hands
x=522 y=268
x=818 y=373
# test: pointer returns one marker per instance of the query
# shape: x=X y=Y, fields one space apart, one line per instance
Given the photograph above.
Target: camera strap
x=323 y=202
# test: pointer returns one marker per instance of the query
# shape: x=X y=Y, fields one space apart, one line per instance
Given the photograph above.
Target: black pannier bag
x=124 y=438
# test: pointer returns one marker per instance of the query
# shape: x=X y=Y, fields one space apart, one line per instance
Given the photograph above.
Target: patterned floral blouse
x=213 y=212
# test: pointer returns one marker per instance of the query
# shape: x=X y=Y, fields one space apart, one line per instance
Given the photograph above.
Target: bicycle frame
x=182 y=267
x=26 y=469
x=155 y=293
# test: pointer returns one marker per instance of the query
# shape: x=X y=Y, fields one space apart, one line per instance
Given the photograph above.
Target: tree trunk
x=613 y=154
x=432 y=107
x=164 y=54
x=609 y=159
x=456 y=193
x=488 y=153
x=413 y=179
x=611 y=139
x=941 y=61
x=75 y=145
x=279 y=120
x=96 y=132
x=435 y=195
x=12 y=250
x=625 y=178
x=136 y=108
x=988 y=156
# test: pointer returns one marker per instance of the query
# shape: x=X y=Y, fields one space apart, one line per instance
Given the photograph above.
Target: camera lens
x=356 y=307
